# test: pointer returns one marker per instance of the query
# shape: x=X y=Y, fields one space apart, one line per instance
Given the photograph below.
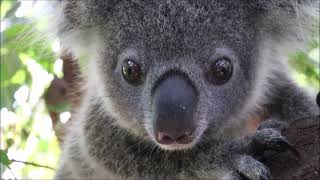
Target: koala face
x=172 y=70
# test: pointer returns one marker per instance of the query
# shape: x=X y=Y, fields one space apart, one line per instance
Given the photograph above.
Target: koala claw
x=251 y=169
x=270 y=139
x=246 y=165
x=274 y=124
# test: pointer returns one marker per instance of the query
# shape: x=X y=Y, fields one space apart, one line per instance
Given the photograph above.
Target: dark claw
x=262 y=177
x=251 y=169
x=274 y=124
x=271 y=139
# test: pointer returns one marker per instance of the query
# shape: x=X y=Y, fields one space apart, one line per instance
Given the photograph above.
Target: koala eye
x=220 y=71
x=131 y=72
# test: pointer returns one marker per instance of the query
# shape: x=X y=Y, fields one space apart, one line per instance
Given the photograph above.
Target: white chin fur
x=175 y=146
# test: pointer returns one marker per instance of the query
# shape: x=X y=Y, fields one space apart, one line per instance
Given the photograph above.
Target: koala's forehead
x=180 y=26
x=171 y=25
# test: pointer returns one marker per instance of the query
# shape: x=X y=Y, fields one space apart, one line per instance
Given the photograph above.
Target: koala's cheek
x=123 y=118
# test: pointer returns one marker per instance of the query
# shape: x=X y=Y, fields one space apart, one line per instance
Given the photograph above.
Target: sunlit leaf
x=315 y=55
x=4 y=51
x=9 y=7
x=5 y=7
x=43 y=146
x=19 y=77
x=29 y=44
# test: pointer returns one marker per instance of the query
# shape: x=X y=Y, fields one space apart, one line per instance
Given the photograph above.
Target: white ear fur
x=293 y=25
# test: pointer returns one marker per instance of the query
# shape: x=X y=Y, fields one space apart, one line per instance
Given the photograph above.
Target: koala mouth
x=174 y=100
x=170 y=142
x=176 y=146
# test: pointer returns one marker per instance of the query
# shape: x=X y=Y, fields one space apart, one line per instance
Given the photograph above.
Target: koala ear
x=76 y=21
x=103 y=8
x=286 y=21
x=84 y=13
x=269 y=5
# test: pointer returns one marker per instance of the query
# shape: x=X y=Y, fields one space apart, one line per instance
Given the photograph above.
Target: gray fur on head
x=182 y=37
x=284 y=20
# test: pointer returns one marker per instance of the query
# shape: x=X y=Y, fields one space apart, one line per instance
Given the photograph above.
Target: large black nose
x=174 y=103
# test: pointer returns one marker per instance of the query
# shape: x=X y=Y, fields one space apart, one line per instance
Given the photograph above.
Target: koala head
x=172 y=70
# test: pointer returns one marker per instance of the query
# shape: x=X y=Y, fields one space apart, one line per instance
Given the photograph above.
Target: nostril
x=163 y=138
x=185 y=138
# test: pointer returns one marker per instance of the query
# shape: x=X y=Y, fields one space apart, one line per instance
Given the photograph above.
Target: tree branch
x=303 y=134
x=33 y=164
x=12 y=173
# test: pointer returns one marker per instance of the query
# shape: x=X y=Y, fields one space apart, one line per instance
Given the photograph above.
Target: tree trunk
x=303 y=134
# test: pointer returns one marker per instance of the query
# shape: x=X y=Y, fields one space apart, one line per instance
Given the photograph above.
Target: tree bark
x=303 y=134
x=65 y=90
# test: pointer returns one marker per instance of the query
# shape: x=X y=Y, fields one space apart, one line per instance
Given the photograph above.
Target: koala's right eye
x=220 y=71
x=131 y=72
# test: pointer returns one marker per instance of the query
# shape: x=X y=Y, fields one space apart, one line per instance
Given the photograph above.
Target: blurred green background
x=29 y=64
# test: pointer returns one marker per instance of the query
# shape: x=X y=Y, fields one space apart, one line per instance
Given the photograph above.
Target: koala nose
x=174 y=103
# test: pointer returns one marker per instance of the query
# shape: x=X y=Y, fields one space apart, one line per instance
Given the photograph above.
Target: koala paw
x=266 y=139
x=274 y=124
x=249 y=168
x=269 y=139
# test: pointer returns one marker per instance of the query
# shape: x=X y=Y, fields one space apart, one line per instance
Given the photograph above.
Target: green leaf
x=13 y=9
x=6 y=95
x=43 y=146
x=2 y=169
x=10 y=142
x=19 y=77
x=59 y=108
x=29 y=44
x=5 y=7
x=25 y=132
x=9 y=65
x=4 y=161
x=4 y=158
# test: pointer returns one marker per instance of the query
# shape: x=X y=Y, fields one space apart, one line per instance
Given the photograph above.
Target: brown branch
x=32 y=164
x=12 y=173
x=304 y=135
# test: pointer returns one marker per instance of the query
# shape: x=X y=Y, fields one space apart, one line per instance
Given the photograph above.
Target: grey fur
x=111 y=137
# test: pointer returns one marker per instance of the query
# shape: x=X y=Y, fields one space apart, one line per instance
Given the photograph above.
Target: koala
x=169 y=86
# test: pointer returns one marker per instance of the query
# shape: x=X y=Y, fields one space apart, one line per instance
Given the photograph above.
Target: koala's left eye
x=220 y=71
x=131 y=72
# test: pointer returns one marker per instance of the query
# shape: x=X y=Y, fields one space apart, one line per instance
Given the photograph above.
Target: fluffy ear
x=287 y=22
x=72 y=21
x=83 y=14
x=274 y=4
x=75 y=21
